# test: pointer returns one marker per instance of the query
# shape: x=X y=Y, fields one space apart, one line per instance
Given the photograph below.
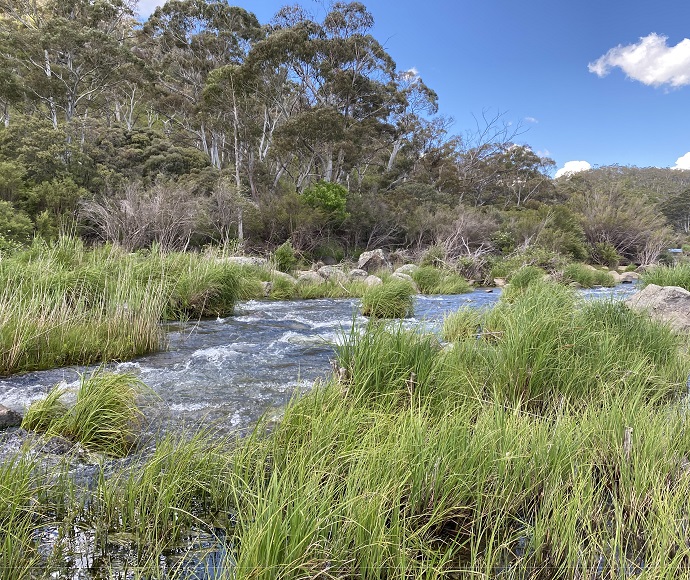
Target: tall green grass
x=677 y=275
x=553 y=443
x=431 y=280
x=586 y=277
x=105 y=417
x=64 y=304
x=393 y=299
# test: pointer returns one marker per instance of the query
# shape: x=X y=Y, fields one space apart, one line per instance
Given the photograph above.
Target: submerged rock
x=669 y=304
x=9 y=418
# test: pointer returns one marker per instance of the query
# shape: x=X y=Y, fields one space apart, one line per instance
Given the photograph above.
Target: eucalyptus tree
x=185 y=41
x=66 y=54
x=346 y=83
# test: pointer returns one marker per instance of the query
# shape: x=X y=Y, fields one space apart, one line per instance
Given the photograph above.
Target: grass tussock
x=393 y=299
x=431 y=280
x=677 y=275
x=586 y=276
x=62 y=304
x=105 y=417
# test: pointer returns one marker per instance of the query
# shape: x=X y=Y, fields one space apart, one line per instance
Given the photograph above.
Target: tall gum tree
x=67 y=53
x=187 y=40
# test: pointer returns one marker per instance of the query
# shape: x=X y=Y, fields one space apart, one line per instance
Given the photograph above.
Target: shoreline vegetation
x=64 y=303
x=553 y=445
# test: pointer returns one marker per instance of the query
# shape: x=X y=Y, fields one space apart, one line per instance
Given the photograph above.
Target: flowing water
x=230 y=372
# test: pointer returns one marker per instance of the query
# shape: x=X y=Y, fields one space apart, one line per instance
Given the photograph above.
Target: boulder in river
x=669 y=304
x=373 y=261
x=9 y=418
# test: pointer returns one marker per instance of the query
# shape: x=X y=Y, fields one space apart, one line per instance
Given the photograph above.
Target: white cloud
x=683 y=162
x=571 y=167
x=531 y=120
x=411 y=74
x=544 y=153
x=651 y=61
x=146 y=7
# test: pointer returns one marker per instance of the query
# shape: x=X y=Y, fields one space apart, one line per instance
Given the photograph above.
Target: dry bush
x=166 y=213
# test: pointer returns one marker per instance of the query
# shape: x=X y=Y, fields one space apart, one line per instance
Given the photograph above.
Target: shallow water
x=229 y=372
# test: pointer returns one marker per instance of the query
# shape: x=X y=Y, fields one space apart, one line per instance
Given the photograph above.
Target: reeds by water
x=551 y=443
x=63 y=304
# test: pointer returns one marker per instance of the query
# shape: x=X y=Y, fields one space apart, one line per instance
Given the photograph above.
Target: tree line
x=203 y=125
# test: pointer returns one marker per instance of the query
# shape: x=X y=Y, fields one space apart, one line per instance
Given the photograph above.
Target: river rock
x=616 y=276
x=629 y=277
x=373 y=261
x=247 y=261
x=9 y=418
x=669 y=304
x=500 y=282
x=357 y=274
x=332 y=273
x=408 y=269
x=308 y=277
x=372 y=280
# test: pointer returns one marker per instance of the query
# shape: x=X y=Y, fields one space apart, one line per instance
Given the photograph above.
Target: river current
x=229 y=372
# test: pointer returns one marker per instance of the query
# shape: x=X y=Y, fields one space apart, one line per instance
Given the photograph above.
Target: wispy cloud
x=531 y=120
x=650 y=61
x=571 y=167
x=683 y=162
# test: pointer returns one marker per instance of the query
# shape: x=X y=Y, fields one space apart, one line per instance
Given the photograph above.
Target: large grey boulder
x=332 y=273
x=373 y=261
x=357 y=274
x=9 y=418
x=669 y=304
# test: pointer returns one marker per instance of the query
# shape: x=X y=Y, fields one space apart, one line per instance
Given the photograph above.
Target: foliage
x=676 y=275
x=393 y=299
x=285 y=257
x=105 y=417
x=526 y=276
x=432 y=280
x=330 y=198
x=586 y=276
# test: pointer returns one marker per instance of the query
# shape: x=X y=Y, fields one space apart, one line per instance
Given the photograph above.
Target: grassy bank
x=64 y=304
x=678 y=275
x=547 y=441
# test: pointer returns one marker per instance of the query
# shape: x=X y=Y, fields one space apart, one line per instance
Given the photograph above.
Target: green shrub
x=433 y=256
x=285 y=257
x=393 y=299
x=605 y=253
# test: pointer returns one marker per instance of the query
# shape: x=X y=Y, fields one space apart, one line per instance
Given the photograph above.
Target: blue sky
x=605 y=82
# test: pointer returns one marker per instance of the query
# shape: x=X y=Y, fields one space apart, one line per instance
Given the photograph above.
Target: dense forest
x=203 y=125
